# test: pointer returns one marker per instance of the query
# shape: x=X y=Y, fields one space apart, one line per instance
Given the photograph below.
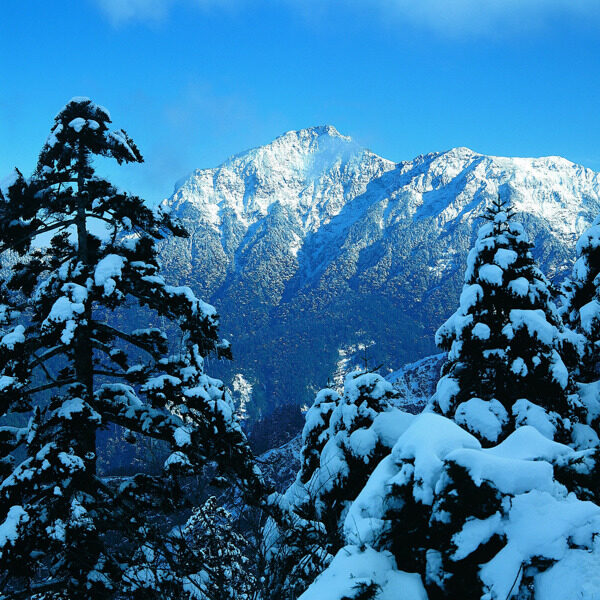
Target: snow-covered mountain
x=313 y=243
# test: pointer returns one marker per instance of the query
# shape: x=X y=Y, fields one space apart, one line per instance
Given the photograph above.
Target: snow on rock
x=357 y=217
x=353 y=567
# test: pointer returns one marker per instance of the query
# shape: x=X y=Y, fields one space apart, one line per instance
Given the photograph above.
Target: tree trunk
x=82 y=340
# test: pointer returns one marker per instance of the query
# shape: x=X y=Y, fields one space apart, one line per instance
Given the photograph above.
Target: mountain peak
x=312 y=139
x=317 y=131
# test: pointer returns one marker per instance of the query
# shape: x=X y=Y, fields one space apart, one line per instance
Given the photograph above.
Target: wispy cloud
x=485 y=17
x=446 y=17
x=122 y=11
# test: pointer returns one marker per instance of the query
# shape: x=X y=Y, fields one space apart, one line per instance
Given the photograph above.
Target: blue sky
x=194 y=81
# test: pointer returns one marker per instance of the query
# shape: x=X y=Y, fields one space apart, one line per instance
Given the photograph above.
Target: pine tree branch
x=35 y=233
x=41 y=360
x=126 y=338
x=110 y=374
x=40 y=363
x=54 y=585
x=49 y=386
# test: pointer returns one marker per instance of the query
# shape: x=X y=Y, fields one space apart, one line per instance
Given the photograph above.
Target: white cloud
x=448 y=17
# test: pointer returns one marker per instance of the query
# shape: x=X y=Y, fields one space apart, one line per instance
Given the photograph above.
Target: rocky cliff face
x=312 y=243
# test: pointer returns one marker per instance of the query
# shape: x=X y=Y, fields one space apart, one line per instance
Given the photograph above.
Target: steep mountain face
x=312 y=243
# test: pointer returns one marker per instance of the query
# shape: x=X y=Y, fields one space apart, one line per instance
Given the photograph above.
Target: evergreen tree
x=352 y=451
x=316 y=433
x=506 y=341
x=341 y=447
x=215 y=553
x=582 y=307
x=581 y=312
x=63 y=529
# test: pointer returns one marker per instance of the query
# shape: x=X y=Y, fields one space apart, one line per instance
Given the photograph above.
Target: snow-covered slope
x=312 y=243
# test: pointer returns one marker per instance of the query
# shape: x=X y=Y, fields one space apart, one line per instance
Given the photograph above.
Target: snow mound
x=353 y=570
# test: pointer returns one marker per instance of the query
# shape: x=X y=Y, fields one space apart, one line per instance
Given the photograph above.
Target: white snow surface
x=301 y=170
x=538 y=518
x=327 y=183
x=535 y=322
x=527 y=413
x=426 y=443
x=492 y=274
x=352 y=566
x=9 y=529
x=16 y=336
x=481 y=417
x=107 y=269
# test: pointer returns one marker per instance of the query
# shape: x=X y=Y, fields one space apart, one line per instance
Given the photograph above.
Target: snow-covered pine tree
x=582 y=306
x=343 y=441
x=216 y=555
x=506 y=341
x=297 y=551
x=315 y=433
x=581 y=313
x=64 y=364
x=352 y=451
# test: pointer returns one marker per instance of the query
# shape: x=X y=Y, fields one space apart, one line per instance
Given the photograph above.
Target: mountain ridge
x=312 y=243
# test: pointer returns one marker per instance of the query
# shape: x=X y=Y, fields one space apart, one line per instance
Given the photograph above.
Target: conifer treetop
x=75 y=358
x=507 y=348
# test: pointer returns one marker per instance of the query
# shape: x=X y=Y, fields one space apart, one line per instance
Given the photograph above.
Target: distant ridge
x=311 y=243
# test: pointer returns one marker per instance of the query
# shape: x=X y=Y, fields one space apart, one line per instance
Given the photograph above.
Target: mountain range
x=313 y=245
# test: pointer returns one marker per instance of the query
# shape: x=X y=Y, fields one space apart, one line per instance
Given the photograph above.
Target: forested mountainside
x=414 y=383
x=311 y=244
